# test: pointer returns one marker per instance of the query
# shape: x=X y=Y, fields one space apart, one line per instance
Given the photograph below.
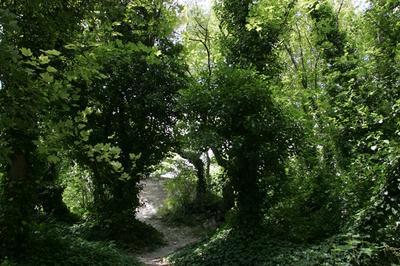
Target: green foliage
x=30 y=86
x=182 y=205
x=200 y=41
x=128 y=114
x=50 y=245
x=328 y=35
x=297 y=100
x=348 y=146
x=132 y=235
x=54 y=55
x=229 y=247
x=313 y=212
x=77 y=194
x=181 y=191
x=240 y=119
x=250 y=41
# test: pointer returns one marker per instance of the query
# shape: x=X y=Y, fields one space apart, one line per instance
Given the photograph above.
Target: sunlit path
x=153 y=195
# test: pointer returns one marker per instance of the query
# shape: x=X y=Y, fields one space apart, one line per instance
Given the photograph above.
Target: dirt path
x=153 y=195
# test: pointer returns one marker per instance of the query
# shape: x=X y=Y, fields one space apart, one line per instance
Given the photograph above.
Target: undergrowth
x=230 y=247
x=135 y=236
x=182 y=206
x=55 y=245
x=206 y=212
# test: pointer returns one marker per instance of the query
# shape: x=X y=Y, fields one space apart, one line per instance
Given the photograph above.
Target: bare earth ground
x=176 y=237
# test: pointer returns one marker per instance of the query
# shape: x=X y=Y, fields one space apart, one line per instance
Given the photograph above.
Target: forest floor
x=176 y=237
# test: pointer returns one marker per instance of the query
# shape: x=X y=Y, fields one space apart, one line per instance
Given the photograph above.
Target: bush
x=52 y=245
x=78 y=189
x=181 y=190
x=133 y=235
x=181 y=205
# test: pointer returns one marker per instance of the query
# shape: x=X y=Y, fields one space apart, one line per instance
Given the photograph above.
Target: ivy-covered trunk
x=249 y=196
x=201 y=187
x=195 y=159
x=17 y=204
x=122 y=206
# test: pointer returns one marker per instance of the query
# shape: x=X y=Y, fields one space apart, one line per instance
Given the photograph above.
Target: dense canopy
x=272 y=127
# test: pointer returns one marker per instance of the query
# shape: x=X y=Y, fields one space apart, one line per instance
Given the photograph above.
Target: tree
x=200 y=56
x=31 y=33
x=248 y=129
x=380 y=217
x=129 y=113
x=251 y=161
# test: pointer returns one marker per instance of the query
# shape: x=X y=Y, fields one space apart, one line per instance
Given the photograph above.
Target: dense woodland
x=280 y=118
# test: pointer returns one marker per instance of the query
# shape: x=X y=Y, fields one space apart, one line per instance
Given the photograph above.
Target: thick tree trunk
x=249 y=197
x=16 y=205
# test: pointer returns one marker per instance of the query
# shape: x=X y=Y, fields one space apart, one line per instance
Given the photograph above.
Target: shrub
x=181 y=205
x=135 y=235
x=53 y=245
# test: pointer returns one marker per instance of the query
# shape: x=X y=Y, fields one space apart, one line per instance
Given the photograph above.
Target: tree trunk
x=201 y=179
x=195 y=159
x=249 y=198
x=228 y=197
x=245 y=181
x=228 y=189
x=208 y=165
x=16 y=205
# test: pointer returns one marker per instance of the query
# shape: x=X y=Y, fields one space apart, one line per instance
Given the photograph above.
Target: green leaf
x=26 y=51
x=366 y=251
x=63 y=94
x=116 y=33
x=31 y=63
x=81 y=126
x=71 y=46
x=53 y=52
x=158 y=53
x=101 y=75
x=117 y=166
x=47 y=77
x=124 y=177
x=43 y=59
x=51 y=69
x=53 y=159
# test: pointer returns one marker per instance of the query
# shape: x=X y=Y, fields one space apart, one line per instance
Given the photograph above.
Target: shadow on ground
x=176 y=237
